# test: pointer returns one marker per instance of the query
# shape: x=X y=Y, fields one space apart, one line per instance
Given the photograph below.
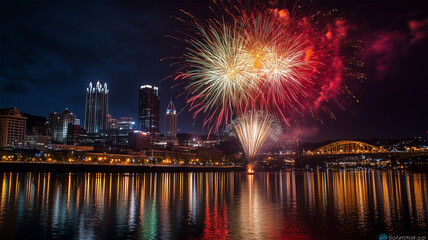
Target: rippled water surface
x=316 y=205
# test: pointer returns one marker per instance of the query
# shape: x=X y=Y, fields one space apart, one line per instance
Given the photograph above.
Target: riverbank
x=107 y=168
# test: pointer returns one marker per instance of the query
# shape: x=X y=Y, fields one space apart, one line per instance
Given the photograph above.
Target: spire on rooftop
x=171 y=108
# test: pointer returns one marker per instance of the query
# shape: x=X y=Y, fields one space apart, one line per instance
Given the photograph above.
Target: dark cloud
x=14 y=88
x=67 y=40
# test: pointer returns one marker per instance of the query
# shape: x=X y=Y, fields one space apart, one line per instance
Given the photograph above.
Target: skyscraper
x=170 y=121
x=96 y=110
x=58 y=125
x=149 y=111
x=12 y=128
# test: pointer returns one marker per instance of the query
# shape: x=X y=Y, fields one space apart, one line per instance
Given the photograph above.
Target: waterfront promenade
x=108 y=168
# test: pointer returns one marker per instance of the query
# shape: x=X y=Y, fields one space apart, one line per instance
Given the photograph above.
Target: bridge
x=353 y=151
x=347 y=147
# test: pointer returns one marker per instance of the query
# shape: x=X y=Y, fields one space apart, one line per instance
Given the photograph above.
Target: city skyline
x=388 y=106
x=293 y=134
x=214 y=119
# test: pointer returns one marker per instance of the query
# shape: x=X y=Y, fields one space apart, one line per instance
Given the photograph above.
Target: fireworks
x=253 y=129
x=254 y=64
x=221 y=79
x=262 y=59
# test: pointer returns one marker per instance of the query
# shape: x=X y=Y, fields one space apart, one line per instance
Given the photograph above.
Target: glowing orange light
x=250 y=169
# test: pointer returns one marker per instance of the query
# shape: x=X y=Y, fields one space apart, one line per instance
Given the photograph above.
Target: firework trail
x=221 y=78
x=253 y=129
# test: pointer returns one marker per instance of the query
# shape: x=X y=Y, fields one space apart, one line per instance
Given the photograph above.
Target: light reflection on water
x=299 y=205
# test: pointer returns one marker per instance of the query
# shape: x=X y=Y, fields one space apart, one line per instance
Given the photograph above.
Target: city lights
x=218 y=119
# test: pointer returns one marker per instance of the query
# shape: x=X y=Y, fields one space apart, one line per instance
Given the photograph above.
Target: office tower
x=12 y=128
x=96 y=110
x=170 y=121
x=149 y=111
x=58 y=125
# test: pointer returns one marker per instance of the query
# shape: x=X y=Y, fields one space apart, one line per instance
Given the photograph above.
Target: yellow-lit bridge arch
x=344 y=147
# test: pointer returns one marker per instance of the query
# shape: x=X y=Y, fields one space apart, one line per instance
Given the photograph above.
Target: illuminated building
x=96 y=107
x=170 y=125
x=139 y=140
x=123 y=123
x=170 y=121
x=12 y=128
x=37 y=141
x=58 y=125
x=149 y=111
x=111 y=122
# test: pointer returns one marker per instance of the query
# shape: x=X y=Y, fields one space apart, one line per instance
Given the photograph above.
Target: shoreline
x=106 y=168
x=136 y=168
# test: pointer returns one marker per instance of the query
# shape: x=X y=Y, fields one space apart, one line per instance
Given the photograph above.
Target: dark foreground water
x=333 y=205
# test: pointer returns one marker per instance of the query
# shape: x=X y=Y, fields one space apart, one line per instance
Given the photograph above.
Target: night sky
x=50 y=51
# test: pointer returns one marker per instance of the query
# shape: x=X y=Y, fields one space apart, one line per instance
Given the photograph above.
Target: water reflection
x=213 y=205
